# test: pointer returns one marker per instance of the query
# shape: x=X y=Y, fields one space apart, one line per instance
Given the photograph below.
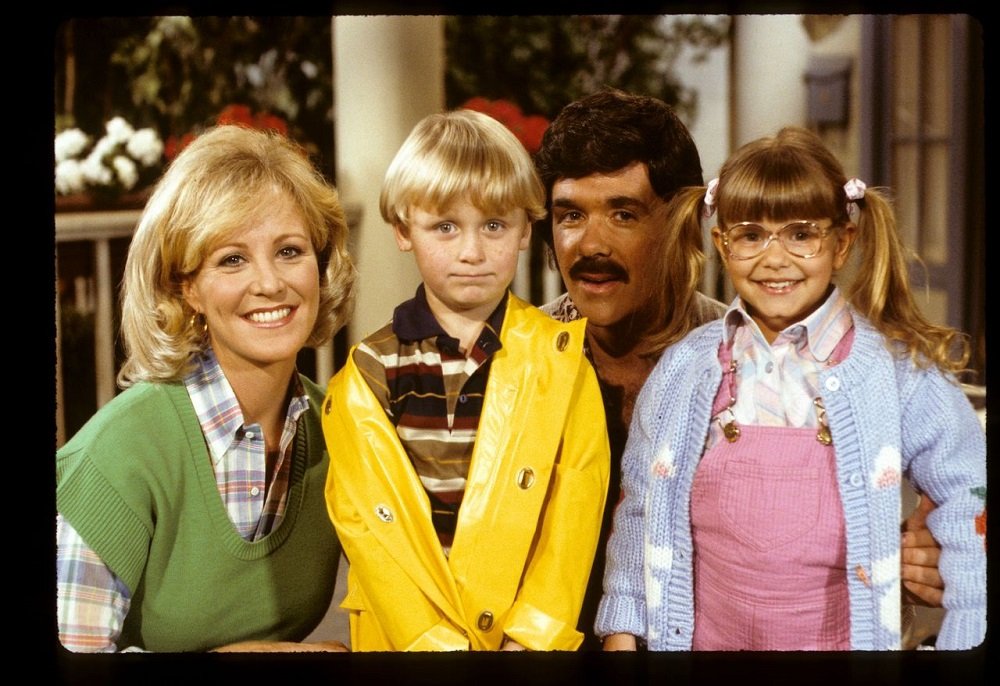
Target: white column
x=388 y=74
x=770 y=56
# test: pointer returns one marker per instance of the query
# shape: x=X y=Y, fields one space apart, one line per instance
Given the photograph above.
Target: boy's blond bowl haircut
x=220 y=183
x=461 y=154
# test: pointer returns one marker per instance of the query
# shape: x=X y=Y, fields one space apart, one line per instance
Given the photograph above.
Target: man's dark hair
x=609 y=130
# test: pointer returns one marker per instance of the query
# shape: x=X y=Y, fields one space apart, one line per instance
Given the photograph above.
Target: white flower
x=94 y=170
x=309 y=69
x=113 y=161
x=654 y=591
x=119 y=130
x=69 y=177
x=103 y=147
x=145 y=146
x=255 y=75
x=663 y=465
x=886 y=473
x=126 y=171
x=659 y=557
x=70 y=143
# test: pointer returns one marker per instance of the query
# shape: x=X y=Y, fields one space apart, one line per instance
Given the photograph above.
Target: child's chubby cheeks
x=779 y=289
x=467 y=257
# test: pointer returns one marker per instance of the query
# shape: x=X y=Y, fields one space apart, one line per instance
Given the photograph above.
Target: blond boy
x=467 y=439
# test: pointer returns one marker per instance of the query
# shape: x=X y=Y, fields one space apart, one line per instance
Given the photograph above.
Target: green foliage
x=177 y=73
x=545 y=62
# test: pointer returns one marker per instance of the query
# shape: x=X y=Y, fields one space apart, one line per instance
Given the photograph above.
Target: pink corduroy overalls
x=769 y=540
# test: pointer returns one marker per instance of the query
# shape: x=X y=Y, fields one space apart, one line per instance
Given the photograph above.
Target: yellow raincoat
x=529 y=521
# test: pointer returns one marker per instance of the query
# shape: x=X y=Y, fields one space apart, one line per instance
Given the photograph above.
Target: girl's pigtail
x=679 y=269
x=881 y=291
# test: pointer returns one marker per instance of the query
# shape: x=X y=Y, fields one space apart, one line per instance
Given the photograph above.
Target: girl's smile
x=779 y=289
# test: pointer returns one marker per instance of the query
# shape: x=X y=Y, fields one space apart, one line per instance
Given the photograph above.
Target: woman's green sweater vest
x=137 y=483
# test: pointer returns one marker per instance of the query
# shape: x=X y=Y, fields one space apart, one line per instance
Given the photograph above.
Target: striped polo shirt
x=433 y=394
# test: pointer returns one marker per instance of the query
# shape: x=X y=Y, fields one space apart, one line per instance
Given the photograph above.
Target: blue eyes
x=489 y=227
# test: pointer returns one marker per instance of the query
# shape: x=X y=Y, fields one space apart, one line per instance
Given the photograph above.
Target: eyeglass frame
x=771 y=235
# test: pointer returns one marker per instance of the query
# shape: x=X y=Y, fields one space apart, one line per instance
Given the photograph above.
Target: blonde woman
x=190 y=508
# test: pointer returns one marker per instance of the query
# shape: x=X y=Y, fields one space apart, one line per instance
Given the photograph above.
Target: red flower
x=231 y=115
x=528 y=130
x=235 y=114
x=241 y=115
x=533 y=129
x=267 y=121
x=173 y=145
x=981 y=526
x=479 y=104
x=505 y=111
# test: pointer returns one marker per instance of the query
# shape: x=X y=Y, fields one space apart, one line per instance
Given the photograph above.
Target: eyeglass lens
x=802 y=239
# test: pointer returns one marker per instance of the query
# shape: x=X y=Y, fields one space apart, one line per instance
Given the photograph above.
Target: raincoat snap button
x=562 y=340
x=525 y=478
x=329 y=404
x=384 y=513
x=485 y=621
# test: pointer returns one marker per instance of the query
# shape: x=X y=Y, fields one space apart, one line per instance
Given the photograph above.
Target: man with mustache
x=610 y=163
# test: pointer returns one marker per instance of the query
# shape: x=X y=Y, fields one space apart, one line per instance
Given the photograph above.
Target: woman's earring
x=193 y=323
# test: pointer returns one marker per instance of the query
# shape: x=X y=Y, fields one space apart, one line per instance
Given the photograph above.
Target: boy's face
x=466 y=257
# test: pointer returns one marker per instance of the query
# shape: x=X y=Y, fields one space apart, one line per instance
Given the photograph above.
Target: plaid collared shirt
x=91 y=601
x=777 y=382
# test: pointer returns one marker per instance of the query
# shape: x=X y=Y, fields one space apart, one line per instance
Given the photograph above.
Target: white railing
x=99 y=228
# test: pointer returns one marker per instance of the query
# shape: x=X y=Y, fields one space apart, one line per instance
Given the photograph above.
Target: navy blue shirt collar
x=414 y=321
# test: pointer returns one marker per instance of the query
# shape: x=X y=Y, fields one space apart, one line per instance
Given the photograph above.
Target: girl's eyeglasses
x=747 y=240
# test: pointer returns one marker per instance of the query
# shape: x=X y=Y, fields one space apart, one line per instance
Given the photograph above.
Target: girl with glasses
x=762 y=475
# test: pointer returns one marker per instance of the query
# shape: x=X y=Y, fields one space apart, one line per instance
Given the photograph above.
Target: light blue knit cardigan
x=888 y=419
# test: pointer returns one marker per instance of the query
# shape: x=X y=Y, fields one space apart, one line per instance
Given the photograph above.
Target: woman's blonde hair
x=461 y=154
x=792 y=175
x=218 y=184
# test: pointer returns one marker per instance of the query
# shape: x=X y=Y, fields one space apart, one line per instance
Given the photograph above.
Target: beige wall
x=770 y=60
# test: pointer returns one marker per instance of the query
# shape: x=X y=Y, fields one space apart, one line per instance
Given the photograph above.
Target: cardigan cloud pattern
x=888 y=418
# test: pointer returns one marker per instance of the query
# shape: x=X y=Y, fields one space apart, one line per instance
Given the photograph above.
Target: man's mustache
x=604 y=266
